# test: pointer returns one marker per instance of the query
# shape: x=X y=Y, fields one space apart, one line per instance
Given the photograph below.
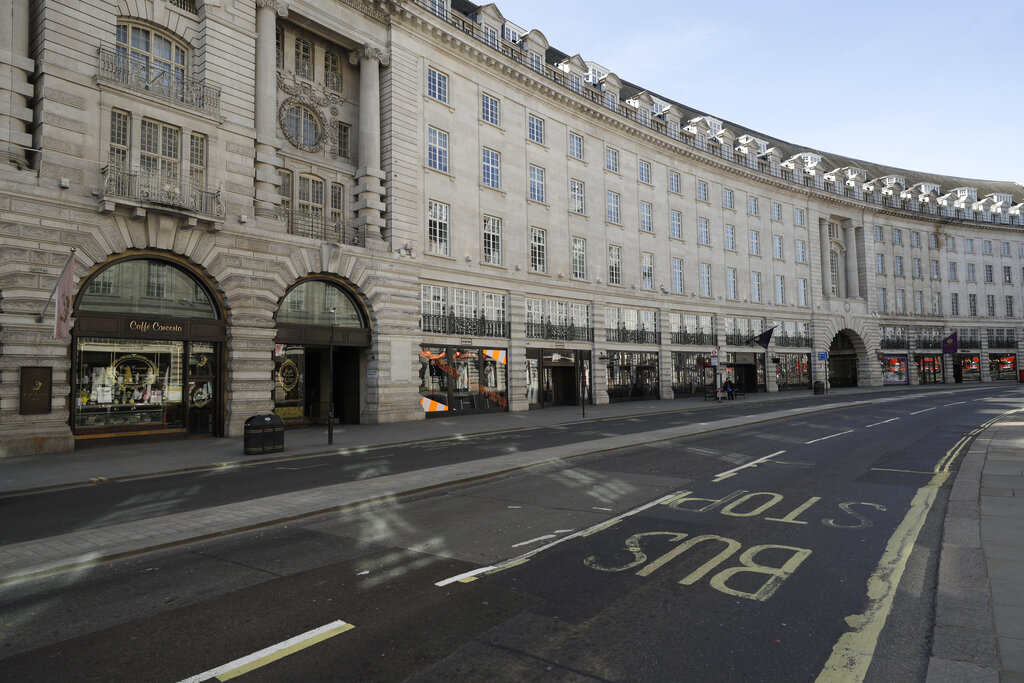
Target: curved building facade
x=383 y=211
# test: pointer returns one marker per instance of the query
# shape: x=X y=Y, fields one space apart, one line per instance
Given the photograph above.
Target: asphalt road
x=742 y=554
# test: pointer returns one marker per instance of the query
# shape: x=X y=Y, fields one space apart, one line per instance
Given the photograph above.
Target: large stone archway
x=847 y=360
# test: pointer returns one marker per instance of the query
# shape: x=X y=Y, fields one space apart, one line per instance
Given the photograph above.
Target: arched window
x=302 y=126
x=332 y=70
x=152 y=60
x=148 y=286
x=303 y=58
x=310 y=303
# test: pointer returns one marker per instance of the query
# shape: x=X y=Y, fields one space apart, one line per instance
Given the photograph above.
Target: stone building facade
x=383 y=210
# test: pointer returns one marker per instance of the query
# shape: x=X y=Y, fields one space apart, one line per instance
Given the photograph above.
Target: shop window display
x=463 y=379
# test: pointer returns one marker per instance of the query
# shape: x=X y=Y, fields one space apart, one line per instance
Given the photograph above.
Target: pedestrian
x=728 y=389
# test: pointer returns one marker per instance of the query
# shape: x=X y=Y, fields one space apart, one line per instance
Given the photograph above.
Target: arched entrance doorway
x=842 y=359
x=147 y=352
x=322 y=332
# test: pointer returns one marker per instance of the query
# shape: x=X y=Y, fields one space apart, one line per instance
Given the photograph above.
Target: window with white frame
x=675 y=221
x=611 y=159
x=933 y=241
x=310 y=197
x=918 y=302
x=801 y=251
x=833 y=270
x=971 y=273
x=343 y=148
x=490 y=37
x=780 y=289
x=647 y=270
x=536 y=62
x=491 y=168
x=776 y=212
x=612 y=207
x=644 y=172
x=968 y=245
x=878 y=233
x=989 y=276
x=1007 y=275
x=935 y=269
x=990 y=304
x=490 y=109
x=915 y=238
x=883 y=306
x=950 y=243
x=703 y=231
x=1008 y=302
x=954 y=304
x=302 y=126
x=880 y=264
x=755 y=287
x=730 y=237
x=492 y=241
x=1004 y=248
x=579 y=315
x=731 y=284
x=677 y=275
x=537 y=183
x=972 y=305
x=702 y=190
x=614 y=264
x=535 y=129
x=953 y=274
x=646 y=220
x=801 y=292
x=494 y=306
x=437 y=149
x=332 y=70
x=916 y=268
x=437 y=85
x=901 y=301
x=897 y=236
x=705 y=279
x=674 y=184
x=464 y=302
x=755 y=243
x=752 y=206
x=577 y=196
x=833 y=231
x=728 y=199
x=777 y=250
x=798 y=216
x=433 y=300
x=437 y=228
x=936 y=303
x=575 y=145
x=579 y=258
x=538 y=250
x=303 y=58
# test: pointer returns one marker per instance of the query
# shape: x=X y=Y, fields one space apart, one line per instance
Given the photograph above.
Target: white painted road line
x=875 y=424
x=273 y=653
x=958 y=403
x=830 y=436
x=534 y=540
x=752 y=463
x=923 y=411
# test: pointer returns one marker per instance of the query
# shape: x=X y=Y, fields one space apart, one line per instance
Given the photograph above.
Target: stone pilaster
x=369 y=205
x=826 y=270
x=15 y=68
x=268 y=197
x=852 y=271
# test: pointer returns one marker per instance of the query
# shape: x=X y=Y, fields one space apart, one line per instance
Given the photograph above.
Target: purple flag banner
x=949 y=344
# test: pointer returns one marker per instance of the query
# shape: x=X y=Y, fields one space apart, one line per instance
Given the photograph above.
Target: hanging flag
x=763 y=339
x=949 y=344
x=62 y=307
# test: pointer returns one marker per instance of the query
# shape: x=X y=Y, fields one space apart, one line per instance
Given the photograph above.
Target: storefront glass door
x=202 y=388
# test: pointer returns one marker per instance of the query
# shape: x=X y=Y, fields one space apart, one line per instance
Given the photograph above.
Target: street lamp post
x=330 y=379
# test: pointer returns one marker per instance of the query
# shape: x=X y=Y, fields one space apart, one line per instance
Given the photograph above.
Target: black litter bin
x=263 y=434
x=819 y=387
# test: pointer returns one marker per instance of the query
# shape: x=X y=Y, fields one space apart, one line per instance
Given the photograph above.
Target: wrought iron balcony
x=929 y=342
x=697 y=338
x=158 y=190
x=549 y=330
x=457 y=325
x=893 y=343
x=796 y=340
x=320 y=227
x=739 y=339
x=116 y=66
x=621 y=334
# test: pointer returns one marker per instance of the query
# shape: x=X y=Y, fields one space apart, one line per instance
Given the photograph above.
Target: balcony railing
x=640 y=117
x=153 y=188
x=739 y=339
x=569 y=332
x=694 y=338
x=1007 y=340
x=320 y=227
x=929 y=343
x=893 y=343
x=622 y=335
x=441 y=323
x=796 y=340
x=116 y=66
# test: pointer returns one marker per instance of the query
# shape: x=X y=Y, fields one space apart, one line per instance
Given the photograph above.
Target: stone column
x=15 y=67
x=369 y=205
x=852 y=271
x=268 y=197
x=826 y=269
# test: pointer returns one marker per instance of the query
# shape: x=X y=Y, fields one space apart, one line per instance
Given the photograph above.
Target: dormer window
x=762 y=147
x=928 y=188
x=967 y=193
x=811 y=159
x=715 y=127
x=511 y=33
x=536 y=62
x=490 y=37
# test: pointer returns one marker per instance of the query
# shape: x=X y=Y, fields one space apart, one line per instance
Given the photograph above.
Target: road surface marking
x=853 y=652
x=534 y=540
x=830 y=436
x=753 y=463
x=875 y=424
x=516 y=561
x=273 y=653
x=958 y=403
x=923 y=411
x=887 y=469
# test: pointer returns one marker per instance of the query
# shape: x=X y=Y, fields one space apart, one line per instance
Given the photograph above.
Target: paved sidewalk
x=979 y=617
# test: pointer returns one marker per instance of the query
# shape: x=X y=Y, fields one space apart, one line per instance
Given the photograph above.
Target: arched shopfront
x=147 y=352
x=843 y=357
x=320 y=328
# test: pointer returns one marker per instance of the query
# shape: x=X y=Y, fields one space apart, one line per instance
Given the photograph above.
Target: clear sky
x=934 y=86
